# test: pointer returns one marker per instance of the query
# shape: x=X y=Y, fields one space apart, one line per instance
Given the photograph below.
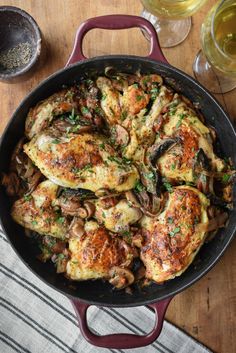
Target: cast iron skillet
x=97 y=292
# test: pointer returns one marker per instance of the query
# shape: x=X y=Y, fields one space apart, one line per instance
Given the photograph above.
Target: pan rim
x=219 y=254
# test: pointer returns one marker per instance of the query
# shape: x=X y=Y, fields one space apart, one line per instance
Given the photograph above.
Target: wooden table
x=207 y=310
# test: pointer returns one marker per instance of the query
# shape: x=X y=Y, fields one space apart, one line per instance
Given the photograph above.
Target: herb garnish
x=27 y=197
x=138 y=186
x=56 y=141
x=174 y=231
x=181 y=117
x=124 y=115
x=225 y=178
x=168 y=186
x=85 y=110
x=60 y=220
x=139 y=98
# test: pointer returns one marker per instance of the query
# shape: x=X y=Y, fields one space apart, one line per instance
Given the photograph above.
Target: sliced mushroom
x=69 y=206
x=213 y=224
x=105 y=193
x=120 y=277
x=151 y=205
x=102 y=192
x=160 y=149
x=120 y=135
x=76 y=227
x=90 y=208
x=218 y=201
x=66 y=126
x=202 y=160
x=11 y=183
x=34 y=181
x=132 y=198
x=137 y=240
x=107 y=202
x=82 y=212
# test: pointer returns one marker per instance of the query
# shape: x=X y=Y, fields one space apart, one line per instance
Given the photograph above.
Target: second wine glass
x=215 y=65
x=171 y=18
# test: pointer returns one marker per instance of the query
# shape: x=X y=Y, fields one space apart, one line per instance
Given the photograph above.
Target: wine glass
x=215 y=64
x=171 y=18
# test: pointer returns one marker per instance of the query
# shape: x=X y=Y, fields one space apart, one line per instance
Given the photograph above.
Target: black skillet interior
x=97 y=292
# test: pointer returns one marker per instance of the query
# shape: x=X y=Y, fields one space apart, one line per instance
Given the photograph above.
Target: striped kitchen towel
x=36 y=319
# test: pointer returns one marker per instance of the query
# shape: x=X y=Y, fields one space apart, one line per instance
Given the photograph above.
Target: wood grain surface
x=207 y=310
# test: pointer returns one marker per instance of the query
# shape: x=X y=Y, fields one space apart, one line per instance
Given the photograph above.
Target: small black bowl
x=20 y=42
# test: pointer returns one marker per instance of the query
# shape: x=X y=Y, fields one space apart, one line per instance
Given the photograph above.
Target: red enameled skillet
x=96 y=292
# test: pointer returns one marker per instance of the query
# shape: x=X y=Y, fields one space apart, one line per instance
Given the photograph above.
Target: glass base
x=170 y=32
x=209 y=77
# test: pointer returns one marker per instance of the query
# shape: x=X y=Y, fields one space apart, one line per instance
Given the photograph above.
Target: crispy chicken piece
x=80 y=161
x=95 y=253
x=119 y=217
x=40 y=116
x=36 y=212
x=110 y=101
x=172 y=241
x=134 y=99
x=178 y=163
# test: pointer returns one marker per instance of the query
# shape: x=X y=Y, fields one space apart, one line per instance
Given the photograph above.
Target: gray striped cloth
x=36 y=319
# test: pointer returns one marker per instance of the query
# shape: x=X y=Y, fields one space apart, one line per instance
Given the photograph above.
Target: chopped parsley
x=27 y=197
x=126 y=160
x=124 y=115
x=60 y=220
x=135 y=85
x=168 y=186
x=174 y=231
x=173 y=166
x=87 y=167
x=104 y=96
x=60 y=256
x=150 y=176
x=154 y=92
x=85 y=110
x=73 y=118
x=98 y=110
x=48 y=220
x=181 y=117
x=102 y=146
x=56 y=141
x=127 y=235
x=225 y=178
x=34 y=223
x=138 y=186
x=139 y=98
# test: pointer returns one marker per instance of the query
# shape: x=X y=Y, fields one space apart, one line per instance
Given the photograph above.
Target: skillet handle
x=121 y=340
x=116 y=22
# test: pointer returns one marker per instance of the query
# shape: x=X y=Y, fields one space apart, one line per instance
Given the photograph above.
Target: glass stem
x=170 y=32
x=211 y=78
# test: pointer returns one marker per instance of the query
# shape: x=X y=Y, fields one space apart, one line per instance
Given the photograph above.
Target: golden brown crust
x=171 y=240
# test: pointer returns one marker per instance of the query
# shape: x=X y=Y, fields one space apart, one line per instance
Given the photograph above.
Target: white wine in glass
x=215 y=65
x=171 y=18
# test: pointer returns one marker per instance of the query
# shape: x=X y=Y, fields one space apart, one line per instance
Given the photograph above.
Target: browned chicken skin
x=172 y=241
x=95 y=253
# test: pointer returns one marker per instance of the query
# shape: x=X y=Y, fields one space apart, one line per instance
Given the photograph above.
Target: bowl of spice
x=20 y=43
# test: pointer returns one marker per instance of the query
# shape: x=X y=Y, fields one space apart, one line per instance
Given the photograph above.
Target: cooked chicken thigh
x=173 y=239
x=80 y=161
x=95 y=253
x=36 y=211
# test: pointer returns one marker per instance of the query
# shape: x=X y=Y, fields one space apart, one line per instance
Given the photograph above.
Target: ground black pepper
x=15 y=57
